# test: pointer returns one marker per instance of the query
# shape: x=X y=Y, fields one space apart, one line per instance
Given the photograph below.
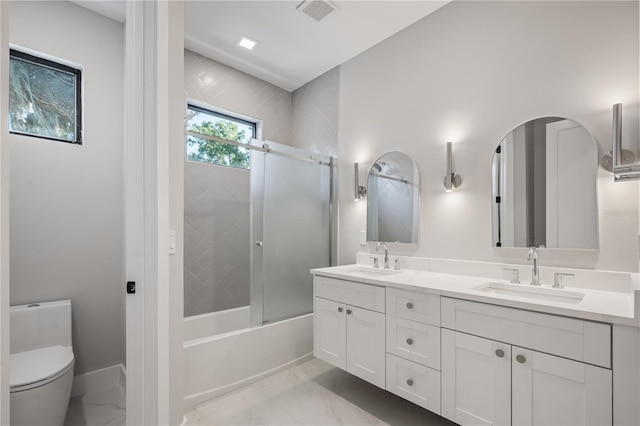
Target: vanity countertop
x=596 y=305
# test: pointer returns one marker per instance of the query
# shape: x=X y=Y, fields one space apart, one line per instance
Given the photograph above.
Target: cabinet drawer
x=414 y=305
x=414 y=382
x=414 y=341
x=355 y=294
x=581 y=340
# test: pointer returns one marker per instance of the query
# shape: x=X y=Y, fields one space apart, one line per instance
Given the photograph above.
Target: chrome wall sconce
x=620 y=161
x=360 y=191
x=451 y=180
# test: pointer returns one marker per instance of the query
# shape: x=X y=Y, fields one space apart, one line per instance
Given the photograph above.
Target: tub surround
x=421 y=333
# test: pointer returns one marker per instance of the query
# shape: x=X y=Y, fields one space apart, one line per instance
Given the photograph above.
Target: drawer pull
x=340 y=309
x=409 y=341
x=410 y=382
x=348 y=311
x=409 y=305
x=521 y=359
x=500 y=353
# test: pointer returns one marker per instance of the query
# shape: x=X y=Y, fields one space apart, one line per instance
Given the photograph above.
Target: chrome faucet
x=535 y=273
x=386 y=253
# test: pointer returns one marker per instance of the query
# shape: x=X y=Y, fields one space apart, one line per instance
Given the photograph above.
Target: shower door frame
x=257 y=203
x=257 y=215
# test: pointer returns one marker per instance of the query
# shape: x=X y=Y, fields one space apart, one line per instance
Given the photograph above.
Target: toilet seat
x=35 y=368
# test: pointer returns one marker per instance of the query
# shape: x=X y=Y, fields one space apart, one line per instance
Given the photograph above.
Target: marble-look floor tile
x=97 y=409
x=312 y=393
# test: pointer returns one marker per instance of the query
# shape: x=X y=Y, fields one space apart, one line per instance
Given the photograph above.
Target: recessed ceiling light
x=247 y=43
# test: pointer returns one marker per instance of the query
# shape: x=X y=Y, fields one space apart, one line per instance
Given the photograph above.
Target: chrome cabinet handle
x=409 y=341
x=521 y=359
x=340 y=309
x=500 y=353
x=348 y=311
x=410 y=382
x=409 y=305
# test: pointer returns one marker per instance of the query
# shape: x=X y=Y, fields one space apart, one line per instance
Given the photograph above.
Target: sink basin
x=368 y=270
x=546 y=294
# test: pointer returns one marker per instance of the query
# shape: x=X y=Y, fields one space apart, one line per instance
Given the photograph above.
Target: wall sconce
x=451 y=180
x=360 y=191
x=619 y=161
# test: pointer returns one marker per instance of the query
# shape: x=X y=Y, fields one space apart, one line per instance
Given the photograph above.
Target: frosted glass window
x=44 y=98
x=224 y=127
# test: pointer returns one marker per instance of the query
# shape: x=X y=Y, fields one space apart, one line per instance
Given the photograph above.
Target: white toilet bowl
x=41 y=382
x=41 y=363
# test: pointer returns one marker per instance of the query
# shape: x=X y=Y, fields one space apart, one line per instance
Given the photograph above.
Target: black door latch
x=131 y=287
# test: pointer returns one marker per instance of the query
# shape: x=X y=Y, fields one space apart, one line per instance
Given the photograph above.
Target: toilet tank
x=38 y=325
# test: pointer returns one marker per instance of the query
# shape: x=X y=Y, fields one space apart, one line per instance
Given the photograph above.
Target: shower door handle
x=259 y=243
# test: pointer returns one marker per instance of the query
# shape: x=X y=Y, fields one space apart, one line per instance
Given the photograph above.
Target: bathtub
x=217 y=364
x=205 y=325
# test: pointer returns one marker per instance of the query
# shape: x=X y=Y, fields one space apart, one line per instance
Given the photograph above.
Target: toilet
x=41 y=363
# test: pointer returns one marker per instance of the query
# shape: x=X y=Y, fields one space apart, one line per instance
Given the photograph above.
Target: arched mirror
x=544 y=186
x=393 y=199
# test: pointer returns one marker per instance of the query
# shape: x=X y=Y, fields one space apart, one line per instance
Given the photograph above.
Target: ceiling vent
x=317 y=9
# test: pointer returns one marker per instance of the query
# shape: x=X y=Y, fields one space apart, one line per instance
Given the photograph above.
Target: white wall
x=67 y=200
x=469 y=73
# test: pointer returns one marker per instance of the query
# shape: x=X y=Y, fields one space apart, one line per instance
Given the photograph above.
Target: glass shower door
x=295 y=233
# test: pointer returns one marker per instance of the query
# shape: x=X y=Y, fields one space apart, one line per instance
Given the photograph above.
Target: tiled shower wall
x=216 y=243
x=218 y=85
x=216 y=234
x=315 y=114
x=217 y=216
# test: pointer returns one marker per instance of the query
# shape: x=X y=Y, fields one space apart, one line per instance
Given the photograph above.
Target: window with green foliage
x=44 y=98
x=222 y=126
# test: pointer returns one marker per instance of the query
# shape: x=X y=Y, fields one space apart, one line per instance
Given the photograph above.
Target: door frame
x=153 y=176
x=4 y=214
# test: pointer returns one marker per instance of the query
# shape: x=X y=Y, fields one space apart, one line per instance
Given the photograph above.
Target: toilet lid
x=39 y=364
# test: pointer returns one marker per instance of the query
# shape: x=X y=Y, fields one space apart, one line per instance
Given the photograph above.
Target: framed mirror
x=393 y=199
x=544 y=193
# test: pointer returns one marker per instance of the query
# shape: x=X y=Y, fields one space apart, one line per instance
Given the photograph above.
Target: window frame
x=226 y=115
x=15 y=54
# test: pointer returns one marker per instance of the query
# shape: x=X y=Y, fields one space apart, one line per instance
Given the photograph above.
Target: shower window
x=222 y=126
x=44 y=98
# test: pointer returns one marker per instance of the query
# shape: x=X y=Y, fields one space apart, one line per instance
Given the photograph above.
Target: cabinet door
x=329 y=337
x=366 y=345
x=476 y=380
x=551 y=390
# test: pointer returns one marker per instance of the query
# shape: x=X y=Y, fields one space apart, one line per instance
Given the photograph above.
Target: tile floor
x=106 y=407
x=312 y=393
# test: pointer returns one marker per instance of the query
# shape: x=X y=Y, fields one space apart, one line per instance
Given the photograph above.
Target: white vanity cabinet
x=508 y=366
x=349 y=327
x=478 y=363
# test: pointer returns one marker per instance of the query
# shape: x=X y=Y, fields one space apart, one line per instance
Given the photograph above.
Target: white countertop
x=597 y=305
